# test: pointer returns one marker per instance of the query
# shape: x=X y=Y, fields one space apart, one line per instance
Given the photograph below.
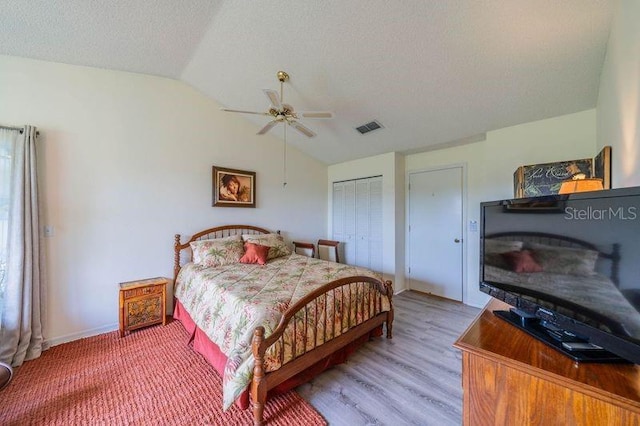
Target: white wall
x=619 y=96
x=125 y=163
x=490 y=165
x=390 y=167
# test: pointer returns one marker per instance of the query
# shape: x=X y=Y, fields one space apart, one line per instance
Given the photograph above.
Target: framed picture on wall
x=233 y=188
x=545 y=179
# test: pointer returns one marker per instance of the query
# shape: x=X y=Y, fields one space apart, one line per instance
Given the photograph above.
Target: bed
x=580 y=276
x=269 y=327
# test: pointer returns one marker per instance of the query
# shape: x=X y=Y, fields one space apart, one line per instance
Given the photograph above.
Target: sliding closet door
x=362 y=223
x=375 y=224
x=357 y=221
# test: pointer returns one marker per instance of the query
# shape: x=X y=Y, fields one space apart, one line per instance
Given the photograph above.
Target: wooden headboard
x=209 y=234
x=563 y=241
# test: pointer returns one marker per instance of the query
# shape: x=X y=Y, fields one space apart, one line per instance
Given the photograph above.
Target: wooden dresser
x=510 y=378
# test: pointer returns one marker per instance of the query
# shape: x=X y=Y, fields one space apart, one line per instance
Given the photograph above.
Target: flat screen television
x=569 y=266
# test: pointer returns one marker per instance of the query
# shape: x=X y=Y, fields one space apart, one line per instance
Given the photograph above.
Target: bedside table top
x=143 y=283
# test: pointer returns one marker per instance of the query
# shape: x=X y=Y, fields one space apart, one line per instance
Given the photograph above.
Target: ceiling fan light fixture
x=369 y=127
x=281 y=112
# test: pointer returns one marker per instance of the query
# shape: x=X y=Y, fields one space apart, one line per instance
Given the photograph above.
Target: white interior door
x=435 y=232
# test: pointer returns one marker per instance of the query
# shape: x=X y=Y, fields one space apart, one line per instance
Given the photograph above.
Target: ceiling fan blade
x=302 y=129
x=244 y=112
x=274 y=98
x=267 y=127
x=315 y=114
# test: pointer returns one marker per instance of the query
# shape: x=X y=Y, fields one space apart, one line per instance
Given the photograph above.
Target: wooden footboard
x=368 y=293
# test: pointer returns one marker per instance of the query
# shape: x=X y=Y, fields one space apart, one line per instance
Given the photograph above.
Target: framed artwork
x=602 y=167
x=545 y=179
x=233 y=188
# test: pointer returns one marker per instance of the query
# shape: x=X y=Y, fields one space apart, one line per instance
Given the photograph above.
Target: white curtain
x=21 y=299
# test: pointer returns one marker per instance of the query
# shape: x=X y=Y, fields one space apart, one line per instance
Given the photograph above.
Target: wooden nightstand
x=142 y=303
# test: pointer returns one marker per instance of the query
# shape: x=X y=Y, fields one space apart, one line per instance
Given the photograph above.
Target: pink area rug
x=149 y=377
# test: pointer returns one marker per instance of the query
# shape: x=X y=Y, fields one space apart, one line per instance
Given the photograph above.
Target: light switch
x=473 y=226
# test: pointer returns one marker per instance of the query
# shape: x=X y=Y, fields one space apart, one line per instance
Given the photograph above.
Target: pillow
x=565 y=260
x=217 y=252
x=493 y=248
x=521 y=261
x=255 y=253
x=275 y=241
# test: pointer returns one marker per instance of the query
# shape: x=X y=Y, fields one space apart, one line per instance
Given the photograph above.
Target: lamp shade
x=580 y=185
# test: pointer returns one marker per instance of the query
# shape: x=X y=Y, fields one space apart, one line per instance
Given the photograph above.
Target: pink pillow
x=521 y=261
x=255 y=253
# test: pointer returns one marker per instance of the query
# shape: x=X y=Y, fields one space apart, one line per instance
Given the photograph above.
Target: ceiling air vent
x=369 y=127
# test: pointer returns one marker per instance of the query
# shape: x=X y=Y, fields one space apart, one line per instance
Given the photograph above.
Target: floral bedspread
x=228 y=302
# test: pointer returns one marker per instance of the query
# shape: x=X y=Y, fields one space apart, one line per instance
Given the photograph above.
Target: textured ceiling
x=433 y=72
x=145 y=36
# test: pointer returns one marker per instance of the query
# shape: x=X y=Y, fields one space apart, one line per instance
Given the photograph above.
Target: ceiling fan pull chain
x=284 y=159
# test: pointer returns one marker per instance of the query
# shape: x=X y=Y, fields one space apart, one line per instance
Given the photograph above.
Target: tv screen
x=570 y=263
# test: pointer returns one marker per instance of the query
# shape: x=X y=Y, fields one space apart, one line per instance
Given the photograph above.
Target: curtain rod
x=20 y=129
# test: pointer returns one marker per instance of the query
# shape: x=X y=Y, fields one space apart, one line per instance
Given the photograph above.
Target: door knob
x=457 y=240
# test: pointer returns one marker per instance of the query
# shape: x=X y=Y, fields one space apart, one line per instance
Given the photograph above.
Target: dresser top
x=143 y=283
x=491 y=337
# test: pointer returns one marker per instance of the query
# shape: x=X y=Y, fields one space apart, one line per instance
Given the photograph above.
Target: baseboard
x=80 y=335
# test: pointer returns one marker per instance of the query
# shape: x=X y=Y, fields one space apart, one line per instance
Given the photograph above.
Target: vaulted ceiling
x=432 y=72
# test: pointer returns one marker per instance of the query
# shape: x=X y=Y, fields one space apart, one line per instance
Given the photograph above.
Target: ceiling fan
x=284 y=113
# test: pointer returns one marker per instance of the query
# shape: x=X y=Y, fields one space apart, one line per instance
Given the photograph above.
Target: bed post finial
x=176 y=257
x=259 y=384
x=389 y=286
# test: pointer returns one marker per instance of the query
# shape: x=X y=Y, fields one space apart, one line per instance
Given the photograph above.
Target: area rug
x=149 y=377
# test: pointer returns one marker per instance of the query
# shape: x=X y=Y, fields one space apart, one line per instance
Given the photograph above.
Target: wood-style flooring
x=412 y=379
